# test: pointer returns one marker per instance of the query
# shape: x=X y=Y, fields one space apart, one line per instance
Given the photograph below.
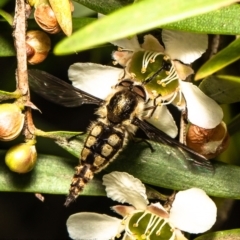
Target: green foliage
x=133 y=19
x=221 y=235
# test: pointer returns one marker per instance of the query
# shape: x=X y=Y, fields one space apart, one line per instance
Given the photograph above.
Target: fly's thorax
x=102 y=145
x=125 y=103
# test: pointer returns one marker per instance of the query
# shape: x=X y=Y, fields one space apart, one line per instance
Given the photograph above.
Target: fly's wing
x=159 y=136
x=58 y=91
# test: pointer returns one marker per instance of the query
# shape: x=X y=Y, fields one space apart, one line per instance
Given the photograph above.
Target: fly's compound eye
x=126 y=83
x=140 y=91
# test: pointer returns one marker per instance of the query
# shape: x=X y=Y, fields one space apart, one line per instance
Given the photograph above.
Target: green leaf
x=221 y=235
x=223 y=21
x=222 y=59
x=8 y=17
x=167 y=167
x=103 y=6
x=133 y=19
x=224 y=89
x=51 y=175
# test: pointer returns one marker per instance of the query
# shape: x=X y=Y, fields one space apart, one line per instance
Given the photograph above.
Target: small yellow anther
x=165 y=57
x=143 y=236
x=132 y=75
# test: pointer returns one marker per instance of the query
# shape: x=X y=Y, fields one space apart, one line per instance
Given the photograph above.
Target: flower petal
x=152 y=44
x=163 y=120
x=123 y=187
x=123 y=210
x=193 y=211
x=122 y=57
x=86 y=225
x=130 y=43
x=183 y=71
x=184 y=46
x=202 y=110
x=93 y=78
x=158 y=209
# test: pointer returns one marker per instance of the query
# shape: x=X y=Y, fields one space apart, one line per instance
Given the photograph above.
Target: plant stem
x=19 y=34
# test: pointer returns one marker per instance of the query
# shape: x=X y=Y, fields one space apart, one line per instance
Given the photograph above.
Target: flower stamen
x=148 y=57
x=143 y=215
x=172 y=75
x=173 y=96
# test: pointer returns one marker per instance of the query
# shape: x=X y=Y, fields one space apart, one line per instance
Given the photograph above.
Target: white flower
x=192 y=211
x=98 y=80
x=179 y=46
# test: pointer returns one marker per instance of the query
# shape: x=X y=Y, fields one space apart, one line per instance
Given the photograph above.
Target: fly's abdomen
x=101 y=146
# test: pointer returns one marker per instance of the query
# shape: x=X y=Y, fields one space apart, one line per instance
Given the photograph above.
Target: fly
x=120 y=114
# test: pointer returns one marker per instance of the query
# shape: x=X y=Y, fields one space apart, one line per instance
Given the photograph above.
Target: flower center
x=148 y=57
x=172 y=75
x=149 y=226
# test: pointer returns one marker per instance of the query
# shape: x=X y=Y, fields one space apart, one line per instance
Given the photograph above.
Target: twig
x=19 y=35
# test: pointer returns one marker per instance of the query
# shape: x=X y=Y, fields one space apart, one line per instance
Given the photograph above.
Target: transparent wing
x=58 y=91
x=159 y=136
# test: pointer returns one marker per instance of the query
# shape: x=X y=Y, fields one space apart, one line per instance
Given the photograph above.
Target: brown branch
x=19 y=25
x=19 y=35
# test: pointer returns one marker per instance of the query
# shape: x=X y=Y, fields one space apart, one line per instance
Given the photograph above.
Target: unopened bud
x=38 y=45
x=21 y=158
x=46 y=18
x=11 y=121
x=208 y=142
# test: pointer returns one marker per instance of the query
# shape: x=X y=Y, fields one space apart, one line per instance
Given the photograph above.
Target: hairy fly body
x=108 y=135
x=120 y=114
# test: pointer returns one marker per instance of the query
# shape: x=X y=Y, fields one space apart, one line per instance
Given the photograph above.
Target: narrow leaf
x=8 y=17
x=51 y=175
x=221 y=235
x=62 y=11
x=133 y=19
x=222 y=59
x=222 y=88
x=167 y=167
x=103 y=6
x=223 y=21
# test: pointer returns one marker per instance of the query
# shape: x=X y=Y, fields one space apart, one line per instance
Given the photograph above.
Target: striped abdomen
x=101 y=146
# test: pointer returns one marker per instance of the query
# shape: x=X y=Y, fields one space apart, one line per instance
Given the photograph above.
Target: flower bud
x=46 y=19
x=38 y=46
x=208 y=142
x=11 y=121
x=21 y=158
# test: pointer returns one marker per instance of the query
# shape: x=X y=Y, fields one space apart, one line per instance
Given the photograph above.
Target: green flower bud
x=38 y=45
x=11 y=121
x=21 y=158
